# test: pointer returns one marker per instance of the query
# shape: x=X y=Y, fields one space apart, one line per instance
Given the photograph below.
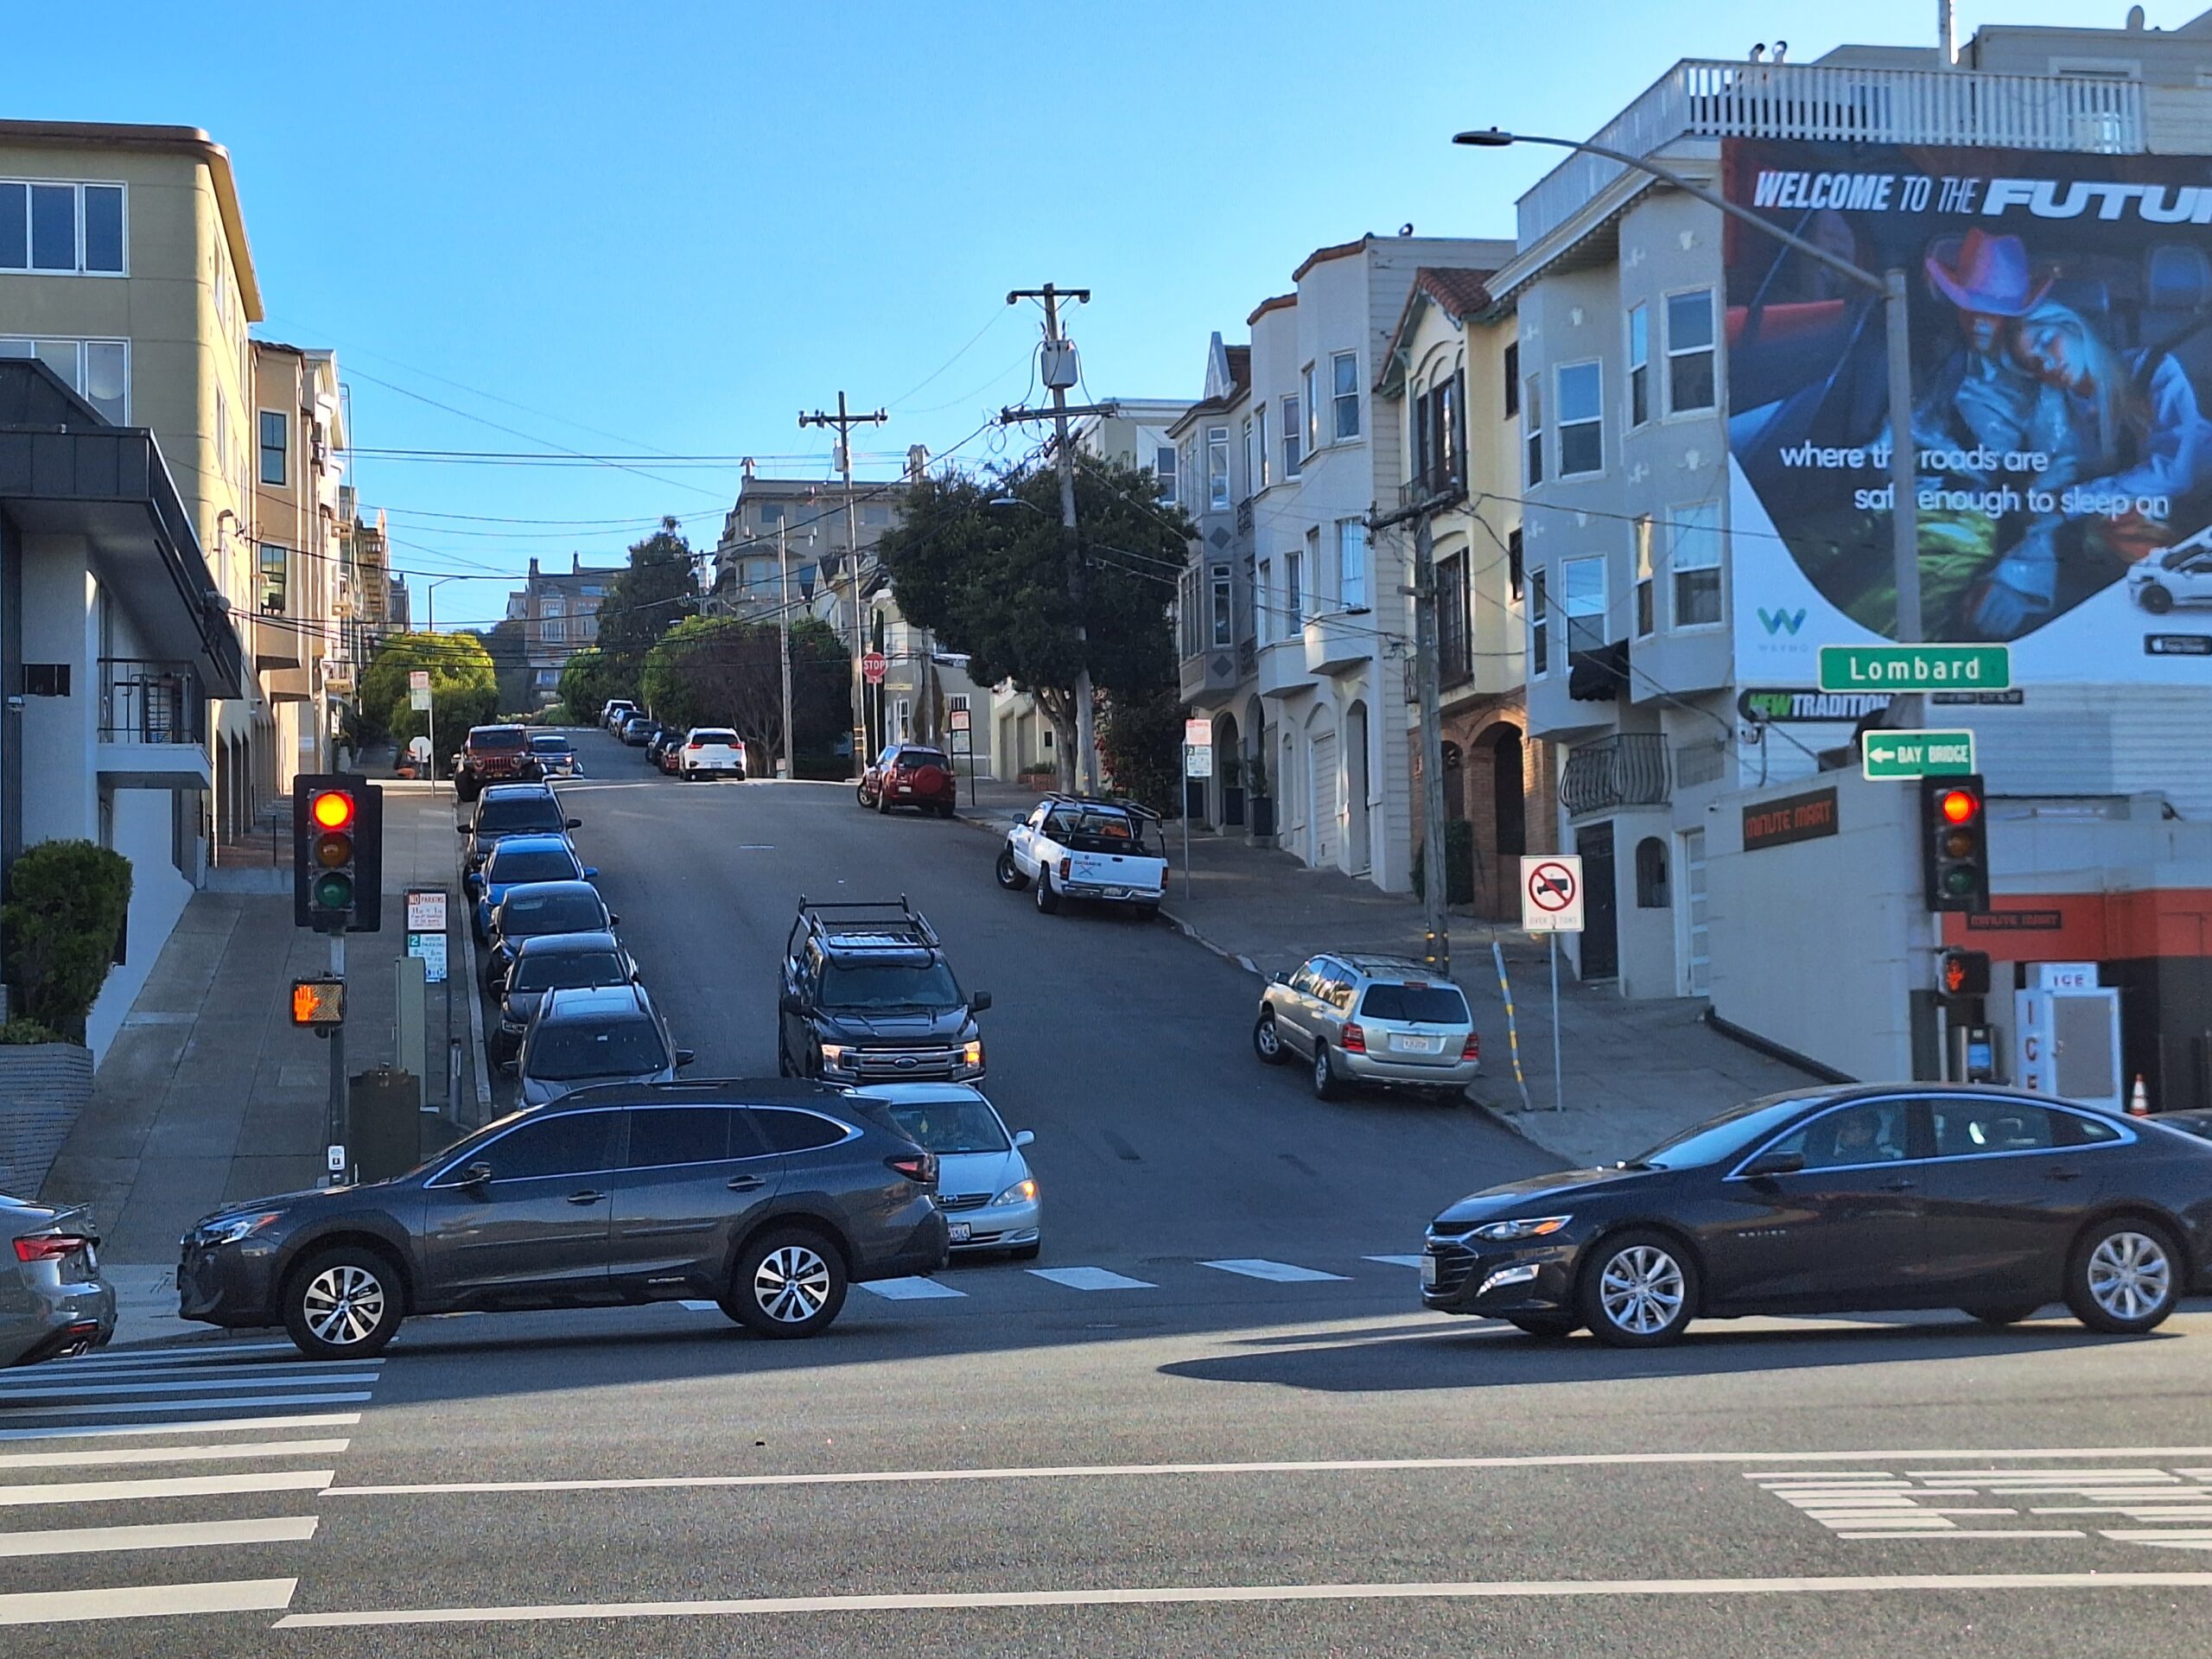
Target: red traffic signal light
x=318 y=1002
x=1954 y=843
x=1959 y=805
x=332 y=809
x=337 y=848
x=1964 y=973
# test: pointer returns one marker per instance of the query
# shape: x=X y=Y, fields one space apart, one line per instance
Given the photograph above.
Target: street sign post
x=419 y=689
x=1916 y=668
x=1197 y=763
x=1551 y=904
x=1886 y=754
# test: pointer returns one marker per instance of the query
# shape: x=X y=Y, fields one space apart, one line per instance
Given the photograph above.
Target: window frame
x=1595 y=420
x=1338 y=395
x=1455 y=629
x=1221 y=614
x=1170 y=480
x=475 y=1154
x=1677 y=528
x=1540 y=623
x=282 y=449
x=1646 y=603
x=1512 y=365
x=78 y=227
x=1305 y=386
x=1532 y=431
x=1267 y=477
x=1567 y=567
x=80 y=380
x=1712 y=349
x=1251 y=461
x=1293 y=459
x=1636 y=344
x=1351 y=568
x=1221 y=500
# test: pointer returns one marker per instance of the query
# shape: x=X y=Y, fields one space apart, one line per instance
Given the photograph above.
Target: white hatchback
x=711 y=752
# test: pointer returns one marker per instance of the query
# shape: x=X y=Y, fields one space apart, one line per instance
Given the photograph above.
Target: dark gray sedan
x=553 y=961
x=767 y=1196
x=53 y=1300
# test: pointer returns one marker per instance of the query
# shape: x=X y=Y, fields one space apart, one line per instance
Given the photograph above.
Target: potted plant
x=1263 y=804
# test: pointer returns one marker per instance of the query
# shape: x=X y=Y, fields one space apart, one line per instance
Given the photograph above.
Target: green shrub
x=1459 y=864
x=17 y=1033
x=67 y=902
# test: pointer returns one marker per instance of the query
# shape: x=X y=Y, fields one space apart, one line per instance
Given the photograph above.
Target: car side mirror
x=612 y=920
x=788 y=1003
x=575 y=823
x=510 y=1068
x=1025 y=1137
x=978 y=1000
x=685 y=1056
x=476 y=1175
x=1281 y=976
x=464 y=828
x=1775 y=1163
x=590 y=871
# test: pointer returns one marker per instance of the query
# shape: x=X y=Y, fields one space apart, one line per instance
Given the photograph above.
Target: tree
x=716 y=671
x=510 y=653
x=1141 y=738
x=464 y=689
x=992 y=581
x=591 y=681
x=651 y=596
x=67 y=902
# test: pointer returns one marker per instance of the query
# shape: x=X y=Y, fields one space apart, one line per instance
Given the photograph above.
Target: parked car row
x=683 y=752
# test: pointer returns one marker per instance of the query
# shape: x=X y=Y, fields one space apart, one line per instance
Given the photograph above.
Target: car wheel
x=861 y=795
x=790 y=1282
x=2124 y=1277
x=1325 y=1085
x=1545 y=1327
x=1267 y=1041
x=1145 y=912
x=948 y=809
x=1026 y=1252
x=343 y=1304
x=1047 y=901
x=1009 y=873
x=2156 y=599
x=1638 y=1290
x=2001 y=1316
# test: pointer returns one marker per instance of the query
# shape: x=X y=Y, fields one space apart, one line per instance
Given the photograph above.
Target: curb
x=1199 y=939
x=481 y=1054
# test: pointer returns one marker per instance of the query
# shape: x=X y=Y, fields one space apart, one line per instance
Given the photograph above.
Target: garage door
x=1324 y=797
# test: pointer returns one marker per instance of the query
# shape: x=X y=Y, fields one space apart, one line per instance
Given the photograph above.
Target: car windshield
x=714 y=737
x=922 y=757
x=1722 y=1137
x=549 y=745
x=888 y=985
x=571 y=1053
x=548 y=866
x=507 y=814
x=1098 y=832
x=563 y=912
x=495 y=739
x=950 y=1126
x=1434 y=1005
x=561 y=970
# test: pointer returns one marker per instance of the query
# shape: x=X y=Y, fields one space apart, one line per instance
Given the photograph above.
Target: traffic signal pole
x=335 y=1123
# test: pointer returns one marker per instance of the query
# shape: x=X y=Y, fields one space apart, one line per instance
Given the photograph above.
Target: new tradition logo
x=1781 y=622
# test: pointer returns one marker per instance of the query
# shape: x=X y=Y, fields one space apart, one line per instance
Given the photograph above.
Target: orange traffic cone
x=2139 y=1103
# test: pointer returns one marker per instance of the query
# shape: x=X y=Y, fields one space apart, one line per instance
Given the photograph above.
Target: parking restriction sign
x=1551 y=893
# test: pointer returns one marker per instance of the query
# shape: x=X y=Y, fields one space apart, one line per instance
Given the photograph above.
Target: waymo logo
x=1781 y=622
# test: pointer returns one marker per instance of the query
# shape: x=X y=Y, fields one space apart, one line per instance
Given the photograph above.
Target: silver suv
x=1371 y=1020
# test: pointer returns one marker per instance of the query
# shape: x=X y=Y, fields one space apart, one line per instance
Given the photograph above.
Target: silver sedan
x=984 y=1184
x=53 y=1300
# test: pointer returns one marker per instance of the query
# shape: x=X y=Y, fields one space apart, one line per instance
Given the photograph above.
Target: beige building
x=559 y=614
x=299 y=439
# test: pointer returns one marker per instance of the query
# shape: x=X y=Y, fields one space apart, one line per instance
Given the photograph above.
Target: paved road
x=1235 y=1433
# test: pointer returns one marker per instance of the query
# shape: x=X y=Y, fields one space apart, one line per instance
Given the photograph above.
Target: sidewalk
x=1633 y=1072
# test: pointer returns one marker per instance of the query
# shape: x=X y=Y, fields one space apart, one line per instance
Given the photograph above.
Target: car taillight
x=1355 y=1039
x=1066 y=865
x=695 y=744
x=50 y=1247
x=918 y=1166
x=1473 y=1048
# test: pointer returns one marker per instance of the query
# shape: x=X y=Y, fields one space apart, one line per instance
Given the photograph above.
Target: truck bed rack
x=848 y=924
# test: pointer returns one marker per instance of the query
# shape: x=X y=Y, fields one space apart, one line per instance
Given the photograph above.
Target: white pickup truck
x=1070 y=847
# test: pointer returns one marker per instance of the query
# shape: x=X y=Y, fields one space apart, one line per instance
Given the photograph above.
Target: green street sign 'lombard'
x=1916 y=668
x=1917 y=754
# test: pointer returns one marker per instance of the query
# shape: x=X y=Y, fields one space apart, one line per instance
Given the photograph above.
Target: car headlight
x=971 y=1054
x=229 y=1229
x=833 y=1054
x=1022 y=1191
x=1527 y=1227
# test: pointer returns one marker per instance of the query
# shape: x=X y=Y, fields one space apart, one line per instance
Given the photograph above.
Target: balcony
x=1435 y=488
x=1705 y=99
x=1338 y=639
x=1627 y=769
x=153 y=729
x=1282 y=668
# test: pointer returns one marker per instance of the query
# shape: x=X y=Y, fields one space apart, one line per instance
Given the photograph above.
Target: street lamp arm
x=1493 y=138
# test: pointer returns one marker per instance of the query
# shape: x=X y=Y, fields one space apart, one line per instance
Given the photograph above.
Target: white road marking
x=10 y=1396
x=1090 y=1279
x=111 y=1380
x=94 y=1541
x=701 y=1308
x=218 y=1425
x=2200 y=1539
x=179 y=1356
x=1395 y=1260
x=1503 y=1589
x=109 y=1491
x=109 y=1407
x=147 y=1601
x=1280 y=1273
x=909 y=1290
x=173 y=1453
x=1877 y=1505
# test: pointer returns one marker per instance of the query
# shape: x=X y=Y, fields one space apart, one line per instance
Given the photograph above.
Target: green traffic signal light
x=333 y=891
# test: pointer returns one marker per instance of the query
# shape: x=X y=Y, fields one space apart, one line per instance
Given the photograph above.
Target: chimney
x=746 y=465
x=917 y=462
x=1947 y=33
x=533 y=567
x=576 y=565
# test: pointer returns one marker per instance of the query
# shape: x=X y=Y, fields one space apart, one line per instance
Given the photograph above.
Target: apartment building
x=559 y=614
x=1217 y=642
x=371 y=600
x=299 y=438
x=1138 y=433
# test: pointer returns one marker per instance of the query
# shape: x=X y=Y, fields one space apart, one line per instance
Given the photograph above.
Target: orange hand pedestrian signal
x=318 y=1001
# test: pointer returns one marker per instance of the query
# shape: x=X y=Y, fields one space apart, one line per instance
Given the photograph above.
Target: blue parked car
x=518 y=859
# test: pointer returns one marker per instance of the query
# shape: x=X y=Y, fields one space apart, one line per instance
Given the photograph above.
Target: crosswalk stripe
x=215 y=1426
x=1394 y=1261
x=147 y=1601
x=1281 y=1273
x=109 y=1491
x=9 y=1396
x=191 y=1534
x=109 y=1380
x=202 y=1353
x=1090 y=1279
x=109 y=1407
x=909 y=1290
x=700 y=1307
x=90 y=1455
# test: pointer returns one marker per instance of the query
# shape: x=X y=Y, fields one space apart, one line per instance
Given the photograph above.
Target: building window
x=551 y=606
x=1689 y=352
x=1646 y=620
x=1540 y=625
x=1651 y=874
x=1163 y=468
x=554 y=631
x=1251 y=461
x=1514 y=574
x=906 y=716
x=1343 y=371
x=1292 y=432
x=1512 y=380
x=771 y=515
x=1455 y=656
x=1264 y=602
x=98 y=371
x=222 y=435
x=275 y=564
x=1218 y=468
x=1294 y=586
x=1265 y=474
x=1581 y=419
x=1187 y=611
x=62 y=228
x=1312 y=407
x=275 y=445
x=1351 y=564
x=1582 y=597
x=1639 y=365
x=1693 y=552
x=957 y=703
x=1225 y=624
x=1532 y=429
x=877 y=515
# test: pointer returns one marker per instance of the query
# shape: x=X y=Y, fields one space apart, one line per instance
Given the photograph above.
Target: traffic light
x=337 y=853
x=318 y=1001
x=1954 y=843
x=1963 y=973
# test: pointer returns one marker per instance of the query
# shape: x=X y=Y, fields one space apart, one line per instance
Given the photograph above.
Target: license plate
x=1428 y=1270
x=904 y=789
x=1410 y=1044
x=960 y=1231
x=1115 y=892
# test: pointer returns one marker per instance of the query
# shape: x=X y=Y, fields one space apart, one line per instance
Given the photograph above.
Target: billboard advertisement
x=2062 y=366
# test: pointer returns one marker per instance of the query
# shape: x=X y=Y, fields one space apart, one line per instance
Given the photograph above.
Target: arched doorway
x=1227 y=804
x=1508 y=801
x=1455 y=782
x=1357 y=853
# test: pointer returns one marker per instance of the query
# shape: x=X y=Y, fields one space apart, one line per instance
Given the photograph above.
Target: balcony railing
x=1628 y=769
x=1435 y=487
x=1705 y=99
x=143 y=701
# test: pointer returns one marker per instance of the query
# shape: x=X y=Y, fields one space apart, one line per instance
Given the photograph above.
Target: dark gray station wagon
x=767 y=1196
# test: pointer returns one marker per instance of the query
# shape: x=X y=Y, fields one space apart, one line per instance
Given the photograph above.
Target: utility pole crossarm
x=1009 y=416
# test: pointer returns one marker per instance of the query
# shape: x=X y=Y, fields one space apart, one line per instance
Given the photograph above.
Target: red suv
x=494 y=754
x=906 y=774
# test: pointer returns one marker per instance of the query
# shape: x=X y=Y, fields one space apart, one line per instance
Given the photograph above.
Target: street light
x=1904 y=524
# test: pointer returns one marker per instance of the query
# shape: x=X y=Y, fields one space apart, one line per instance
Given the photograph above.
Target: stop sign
x=872 y=668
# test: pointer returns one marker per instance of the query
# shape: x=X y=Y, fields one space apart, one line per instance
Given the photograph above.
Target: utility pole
x=1059 y=375
x=1436 y=929
x=844 y=421
x=784 y=628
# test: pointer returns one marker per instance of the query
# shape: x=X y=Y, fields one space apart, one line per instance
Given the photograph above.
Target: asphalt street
x=1213 y=1418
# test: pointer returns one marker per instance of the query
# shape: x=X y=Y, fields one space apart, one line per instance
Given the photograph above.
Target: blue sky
x=671 y=233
